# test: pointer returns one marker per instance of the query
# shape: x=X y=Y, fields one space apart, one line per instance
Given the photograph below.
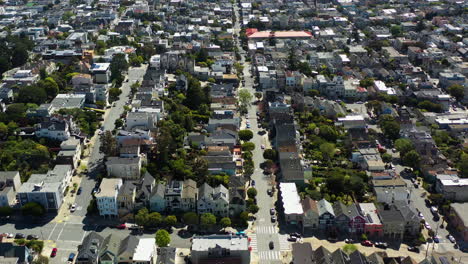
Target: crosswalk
x=269 y=255
x=253 y=242
x=266 y=230
x=283 y=242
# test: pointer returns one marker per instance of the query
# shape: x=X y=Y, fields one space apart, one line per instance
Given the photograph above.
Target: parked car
x=436 y=239
x=19 y=236
x=292 y=239
x=434 y=210
x=71 y=257
x=381 y=245
x=296 y=234
x=451 y=238
x=272 y=211
x=79 y=191
x=269 y=192
x=349 y=241
x=413 y=249
x=273 y=219
x=10 y=235
x=32 y=237
x=367 y=243
x=73 y=208
x=53 y=253
x=262 y=146
x=428 y=226
x=253 y=183
x=121 y=226
x=271 y=245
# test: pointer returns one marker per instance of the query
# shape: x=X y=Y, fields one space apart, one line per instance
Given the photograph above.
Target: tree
x=396 y=30
x=118 y=123
x=245 y=98
x=33 y=209
x=457 y=91
x=190 y=218
x=50 y=86
x=19 y=55
x=3 y=129
x=386 y=157
x=162 y=238
x=225 y=222
x=154 y=219
x=32 y=94
x=108 y=144
x=245 y=135
x=41 y=260
x=253 y=209
x=252 y=193
x=270 y=154
x=118 y=65
x=367 y=82
x=248 y=146
x=349 y=248
x=207 y=220
x=142 y=217
x=170 y=220
x=114 y=93
x=390 y=127
x=411 y=159
x=258 y=95
x=328 y=133
x=6 y=211
x=463 y=165
x=403 y=145
x=328 y=150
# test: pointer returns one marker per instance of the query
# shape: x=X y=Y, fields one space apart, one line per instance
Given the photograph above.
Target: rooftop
x=290 y=198
x=204 y=243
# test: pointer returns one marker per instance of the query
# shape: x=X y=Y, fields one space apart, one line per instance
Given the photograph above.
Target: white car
x=73 y=208
x=263 y=146
x=428 y=226
x=10 y=235
x=452 y=239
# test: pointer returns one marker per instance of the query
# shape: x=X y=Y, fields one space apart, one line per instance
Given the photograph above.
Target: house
x=326 y=215
x=88 y=251
x=352 y=122
x=237 y=195
x=141 y=120
x=291 y=168
x=11 y=253
x=180 y=196
x=125 y=168
x=373 y=226
x=410 y=216
x=46 y=189
x=157 y=200
x=225 y=248
x=357 y=220
x=302 y=253
x=68 y=101
x=20 y=78
x=165 y=255
x=55 y=129
x=127 y=249
x=311 y=215
x=232 y=124
x=390 y=190
x=106 y=198
x=70 y=152
x=222 y=137
x=220 y=160
x=145 y=187
x=10 y=183
x=393 y=222
x=459 y=219
x=213 y=200
x=452 y=187
x=101 y=72
x=293 y=211
x=342 y=217
x=126 y=197
x=145 y=251
x=109 y=251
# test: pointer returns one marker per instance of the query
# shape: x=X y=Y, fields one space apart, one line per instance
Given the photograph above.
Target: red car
x=367 y=243
x=54 y=252
x=121 y=226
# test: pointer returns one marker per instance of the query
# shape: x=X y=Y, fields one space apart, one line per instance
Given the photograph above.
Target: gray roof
x=8 y=175
x=461 y=209
x=302 y=253
x=128 y=245
x=85 y=251
x=324 y=206
x=166 y=255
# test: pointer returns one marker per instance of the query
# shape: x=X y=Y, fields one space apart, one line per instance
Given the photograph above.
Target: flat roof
x=290 y=198
x=203 y=243
x=145 y=249
x=281 y=34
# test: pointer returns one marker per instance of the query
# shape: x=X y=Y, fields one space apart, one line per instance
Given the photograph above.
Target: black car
x=271 y=245
x=19 y=236
x=413 y=249
x=32 y=237
x=269 y=192
x=79 y=191
x=295 y=235
x=292 y=239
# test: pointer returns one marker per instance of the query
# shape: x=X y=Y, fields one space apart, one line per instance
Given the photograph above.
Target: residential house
x=145 y=188
x=127 y=249
x=291 y=201
x=237 y=195
x=232 y=124
x=220 y=160
x=20 y=78
x=145 y=251
x=125 y=168
x=166 y=255
x=326 y=215
x=311 y=215
x=452 y=187
x=141 y=120
x=410 y=216
x=459 y=219
x=10 y=183
x=189 y=196
x=126 y=197
x=106 y=198
x=70 y=152
x=109 y=251
x=222 y=137
x=393 y=222
x=291 y=167
x=342 y=217
x=357 y=220
x=302 y=253
x=46 y=189
x=373 y=226
x=157 y=201
x=55 y=128
x=101 y=72
x=213 y=200
x=225 y=248
x=88 y=251
x=15 y=254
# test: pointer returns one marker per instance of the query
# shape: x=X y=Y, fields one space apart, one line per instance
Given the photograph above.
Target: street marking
x=58 y=237
x=283 y=242
x=269 y=255
x=253 y=242
x=84 y=234
x=51 y=232
x=266 y=230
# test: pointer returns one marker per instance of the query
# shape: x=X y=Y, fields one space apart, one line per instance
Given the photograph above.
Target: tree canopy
x=163 y=239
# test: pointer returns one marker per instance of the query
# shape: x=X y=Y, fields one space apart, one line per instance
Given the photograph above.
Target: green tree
x=33 y=209
x=253 y=209
x=6 y=211
x=163 y=239
x=154 y=219
x=114 y=93
x=390 y=127
x=119 y=123
x=245 y=135
x=396 y=30
x=170 y=220
x=207 y=220
x=367 y=82
x=252 y=193
x=142 y=217
x=108 y=144
x=403 y=145
x=411 y=159
x=32 y=94
x=328 y=150
x=457 y=91
x=225 y=222
x=245 y=98
x=248 y=146
x=118 y=65
x=3 y=129
x=50 y=86
x=20 y=55
x=328 y=133
x=386 y=157
x=270 y=154
x=349 y=248
x=190 y=218
x=463 y=165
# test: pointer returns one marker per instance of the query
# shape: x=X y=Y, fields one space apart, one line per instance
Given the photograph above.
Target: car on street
x=273 y=219
x=248 y=126
x=451 y=238
x=19 y=236
x=73 y=208
x=271 y=245
x=272 y=211
x=349 y=241
x=262 y=146
x=53 y=253
x=295 y=234
x=79 y=191
x=436 y=239
x=71 y=257
x=121 y=226
x=434 y=210
x=253 y=183
x=382 y=245
x=413 y=249
x=428 y=226
x=269 y=192
x=292 y=239
x=32 y=237
x=96 y=190
x=10 y=235
x=367 y=243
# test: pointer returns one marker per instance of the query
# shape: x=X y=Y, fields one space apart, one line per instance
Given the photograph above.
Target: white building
x=125 y=168
x=292 y=205
x=352 y=121
x=145 y=252
x=205 y=249
x=101 y=72
x=155 y=62
x=106 y=198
